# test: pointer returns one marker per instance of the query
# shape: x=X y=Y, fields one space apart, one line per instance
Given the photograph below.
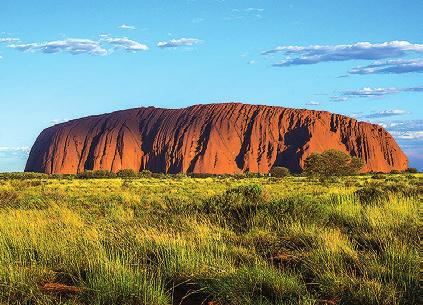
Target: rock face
x=214 y=138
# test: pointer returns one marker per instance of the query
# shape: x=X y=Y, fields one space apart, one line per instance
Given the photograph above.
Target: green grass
x=182 y=240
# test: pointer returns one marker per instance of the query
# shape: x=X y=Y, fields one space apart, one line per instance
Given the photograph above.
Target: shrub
x=22 y=176
x=180 y=175
x=126 y=173
x=412 y=170
x=378 y=176
x=93 y=174
x=201 y=175
x=145 y=173
x=370 y=194
x=279 y=172
x=332 y=163
x=236 y=206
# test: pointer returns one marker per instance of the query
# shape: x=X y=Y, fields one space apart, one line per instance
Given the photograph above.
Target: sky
x=61 y=60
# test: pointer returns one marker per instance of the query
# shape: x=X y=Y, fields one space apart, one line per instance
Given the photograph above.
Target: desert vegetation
x=332 y=163
x=216 y=240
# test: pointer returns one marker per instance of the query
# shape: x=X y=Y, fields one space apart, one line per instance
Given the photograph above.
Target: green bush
x=370 y=194
x=96 y=174
x=279 y=172
x=236 y=206
x=412 y=170
x=127 y=173
x=332 y=163
x=379 y=176
x=145 y=173
x=22 y=176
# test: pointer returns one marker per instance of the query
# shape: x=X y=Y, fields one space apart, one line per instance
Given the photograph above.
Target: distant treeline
x=325 y=165
x=128 y=174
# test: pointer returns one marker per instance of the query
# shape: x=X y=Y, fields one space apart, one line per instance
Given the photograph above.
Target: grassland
x=181 y=240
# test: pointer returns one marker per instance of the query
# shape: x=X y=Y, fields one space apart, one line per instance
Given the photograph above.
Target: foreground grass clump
x=185 y=240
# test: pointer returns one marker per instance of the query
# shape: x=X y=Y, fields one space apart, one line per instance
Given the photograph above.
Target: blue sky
x=66 y=59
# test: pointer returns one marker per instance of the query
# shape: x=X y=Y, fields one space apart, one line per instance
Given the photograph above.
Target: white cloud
x=313 y=103
x=254 y=9
x=58 y=121
x=9 y=40
x=397 y=66
x=173 y=43
x=19 y=148
x=408 y=135
x=386 y=113
x=305 y=55
x=414 y=89
x=403 y=125
x=71 y=45
x=126 y=44
x=127 y=27
x=82 y=46
x=14 y=152
x=250 y=12
x=368 y=92
x=339 y=98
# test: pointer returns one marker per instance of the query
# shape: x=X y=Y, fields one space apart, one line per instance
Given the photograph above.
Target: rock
x=213 y=138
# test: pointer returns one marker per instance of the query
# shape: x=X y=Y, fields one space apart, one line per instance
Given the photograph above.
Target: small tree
x=356 y=165
x=332 y=163
x=145 y=173
x=412 y=170
x=126 y=173
x=279 y=172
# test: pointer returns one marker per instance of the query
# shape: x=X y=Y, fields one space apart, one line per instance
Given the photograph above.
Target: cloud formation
x=72 y=46
x=174 y=43
x=368 y=92
x=386 y=113
x=313 y=103
x=254 y=9
x=58 y=121
x=407 y=135
x=9 y=40
x=402 y=125
x=19 y=148
x=238 y=13
x=127 y=27
x=14 y=152
x=414 y=89
x=395 y=66
x=306 y=55
x=405 y=130
x=126 y=44
x=81 y=46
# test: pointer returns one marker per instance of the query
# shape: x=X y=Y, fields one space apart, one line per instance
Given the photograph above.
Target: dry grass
x=224 y=241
